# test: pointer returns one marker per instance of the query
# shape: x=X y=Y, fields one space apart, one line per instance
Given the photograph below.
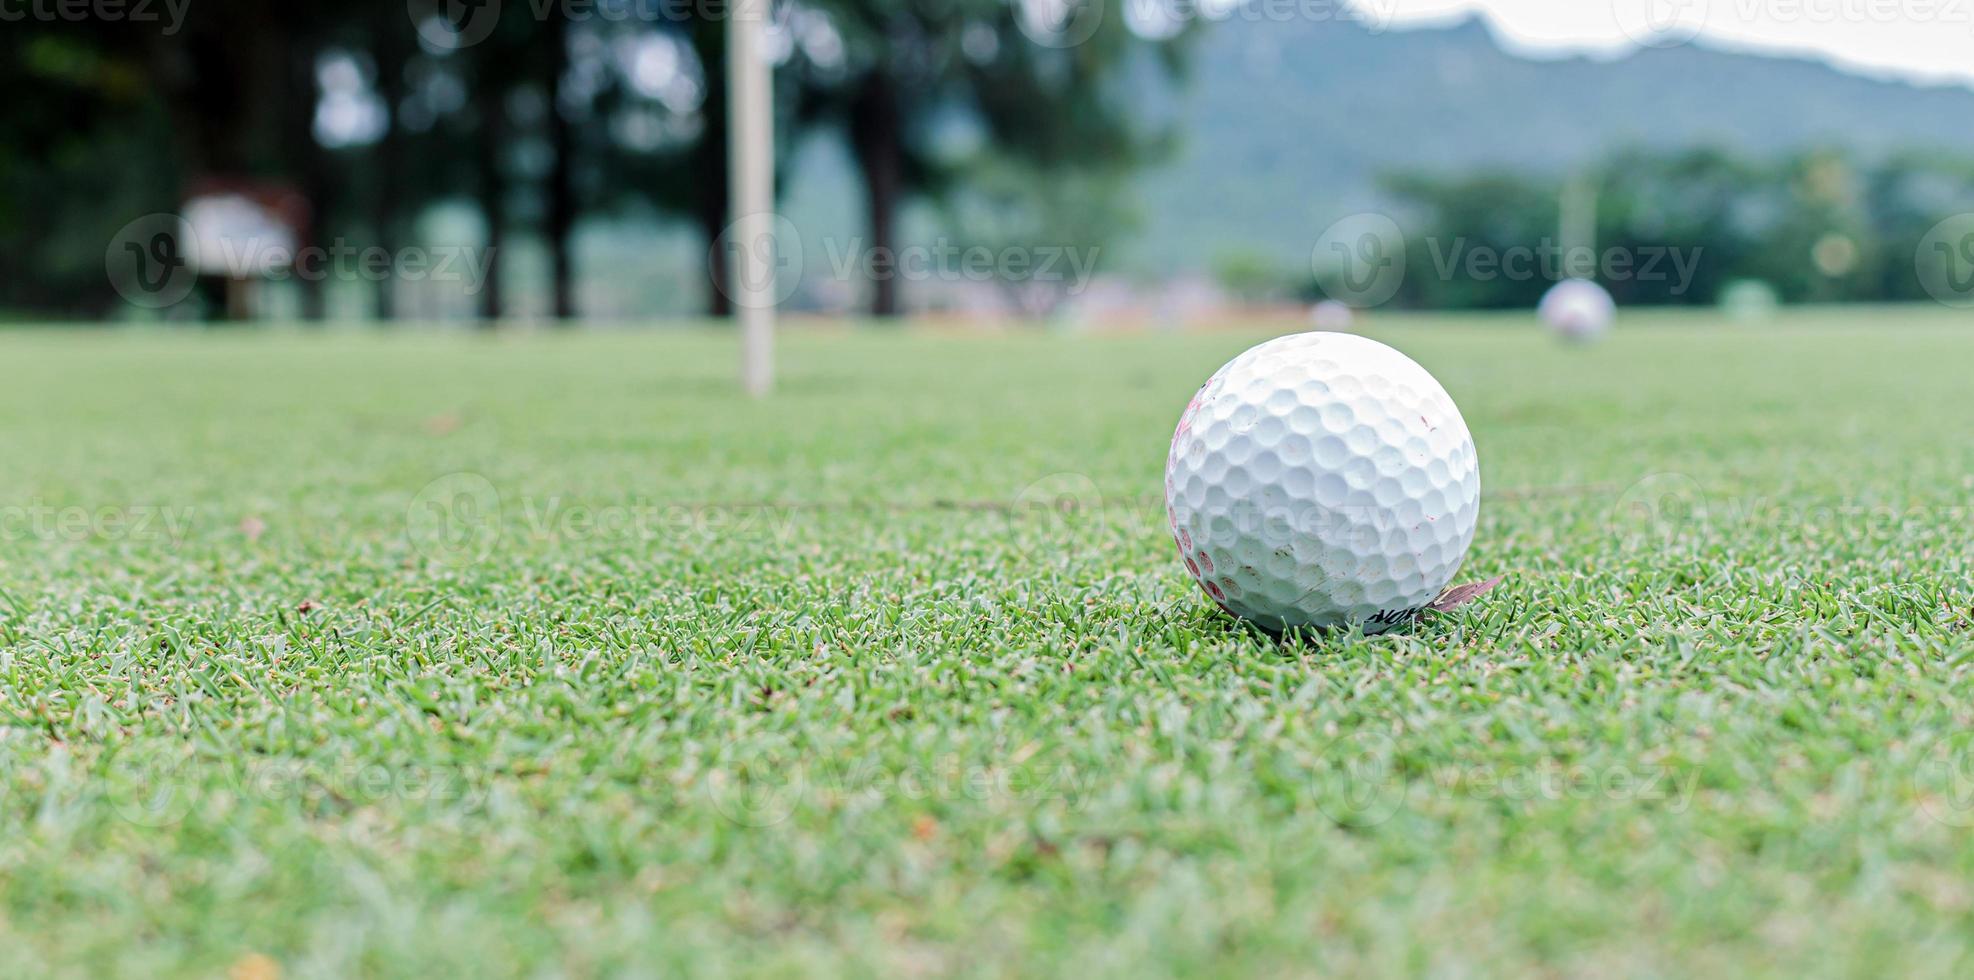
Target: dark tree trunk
x=493 y=196
x=876 y=137
x=386 y=222
x=709 y=164
x=304 y=155
x=227 y=102
x=712 y=221
x=562 y=208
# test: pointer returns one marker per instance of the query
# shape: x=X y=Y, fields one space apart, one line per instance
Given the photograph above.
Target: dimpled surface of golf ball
x=1322 y=480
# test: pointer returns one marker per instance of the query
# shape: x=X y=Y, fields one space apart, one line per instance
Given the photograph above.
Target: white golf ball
x=1322 y=480
x=1578 y=309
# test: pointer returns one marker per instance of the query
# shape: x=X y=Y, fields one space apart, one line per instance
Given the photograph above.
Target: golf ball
x=1332 y=315
x=1578 y=309
x=1322 y=480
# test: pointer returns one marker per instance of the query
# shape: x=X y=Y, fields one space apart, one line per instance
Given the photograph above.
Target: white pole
x=1578 y=231
x=751 y=261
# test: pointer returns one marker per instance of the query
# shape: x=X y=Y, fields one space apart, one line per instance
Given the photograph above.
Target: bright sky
x=1927 y=40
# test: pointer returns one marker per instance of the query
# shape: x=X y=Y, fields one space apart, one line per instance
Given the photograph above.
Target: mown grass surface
x=554 y=655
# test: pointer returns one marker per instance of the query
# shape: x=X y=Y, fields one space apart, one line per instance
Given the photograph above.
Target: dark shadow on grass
x=1422 y=624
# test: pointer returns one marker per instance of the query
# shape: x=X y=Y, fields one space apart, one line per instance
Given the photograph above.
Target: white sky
x=1924 y=40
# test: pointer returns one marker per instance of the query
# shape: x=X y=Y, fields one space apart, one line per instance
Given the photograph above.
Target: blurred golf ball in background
x=1578 y=309
x=1332 y=315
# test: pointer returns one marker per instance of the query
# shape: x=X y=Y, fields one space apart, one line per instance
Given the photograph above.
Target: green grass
x=552 y=655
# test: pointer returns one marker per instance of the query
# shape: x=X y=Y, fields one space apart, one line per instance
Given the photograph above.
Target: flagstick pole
x=751 y=174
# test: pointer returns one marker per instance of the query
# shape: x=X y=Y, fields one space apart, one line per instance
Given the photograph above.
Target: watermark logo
x=759 y=261
x=153 y=261
x=1059 y=23
x=152 y=793
x=756 y=782
x=1360 y=781
x=1945 y=262
x=459 y=519
x=449 y=25
x=1375 y=15
x=1943 y=779
x=1360 y=260
x=762 y=258
x=39 y=520
x=1164 y=19
x=945 y=260
x=1356 y=779
x=1549 y=261
x=1662 y=504
x=763 y=780
x=345 y=782
x=170 y=13
x=456 y=519
x=1057 y=509
x=1660 y=23
x=157 y=793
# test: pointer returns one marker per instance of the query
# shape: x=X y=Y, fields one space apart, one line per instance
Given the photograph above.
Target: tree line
x=542 y=114
x=1685 y=227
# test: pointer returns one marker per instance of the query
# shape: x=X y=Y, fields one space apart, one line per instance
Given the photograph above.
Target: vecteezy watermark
x=763 y=781
x=762 y=260
x=758 y=260
x=460 y=518
x=456 y=519
x=39 y=520
x=1660 y=23
x=154 y=262
x=344 y=782
x=1160 y=19
x=1057 y=508
x=149 y=791
x=1550 y=262
x=1942 y=778
x=449 y=25
x=563 y=519
x=345 y=262
x=945 y=260
x=169 y=13
x=1061 y=507
x=1664 y=23
x=1059 y=23
x=1663 y=506
x=1360 y=260
x=160 y=791
x=1945 y=262
x=151 y=261
x=1362 y=780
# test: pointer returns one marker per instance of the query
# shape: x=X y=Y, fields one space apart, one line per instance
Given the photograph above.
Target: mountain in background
x=1287 y=126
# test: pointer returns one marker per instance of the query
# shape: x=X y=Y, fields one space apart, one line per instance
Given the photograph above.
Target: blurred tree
x=244 y=112
x=1703 y=203
x=1817 y=227
x=1021 y=121
x=392 y=47
x=1040 y=234
x=79 y=157
x=1464 y=228
x=563 y=209
x=1904 y=199
x=1055 y=86
x=1251 y=275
